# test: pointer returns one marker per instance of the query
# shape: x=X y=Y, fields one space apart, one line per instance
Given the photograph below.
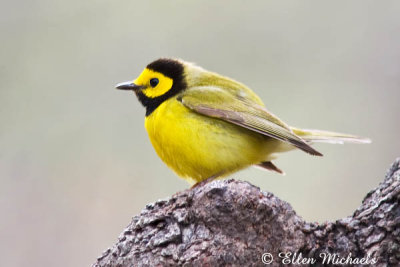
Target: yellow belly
x=197 y=147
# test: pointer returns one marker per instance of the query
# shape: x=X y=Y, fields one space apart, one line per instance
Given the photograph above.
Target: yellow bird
x=205 y=126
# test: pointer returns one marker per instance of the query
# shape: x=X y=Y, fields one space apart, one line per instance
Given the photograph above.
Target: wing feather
x=222 y=104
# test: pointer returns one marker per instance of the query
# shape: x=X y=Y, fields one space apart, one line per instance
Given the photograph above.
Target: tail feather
x=329 y=137
x=268 y=165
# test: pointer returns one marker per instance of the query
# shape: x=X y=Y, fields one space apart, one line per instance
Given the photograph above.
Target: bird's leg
x=209 y=179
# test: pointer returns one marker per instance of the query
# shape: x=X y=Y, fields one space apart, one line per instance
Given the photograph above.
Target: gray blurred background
x=75 y=160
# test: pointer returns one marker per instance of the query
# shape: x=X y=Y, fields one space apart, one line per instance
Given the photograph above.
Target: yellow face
x=160 y=80
x=155 y=84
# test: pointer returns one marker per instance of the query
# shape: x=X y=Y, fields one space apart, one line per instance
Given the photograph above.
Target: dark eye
x=154 y=82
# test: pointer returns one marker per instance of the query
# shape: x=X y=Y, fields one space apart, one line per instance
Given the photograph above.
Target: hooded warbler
x=205 y=126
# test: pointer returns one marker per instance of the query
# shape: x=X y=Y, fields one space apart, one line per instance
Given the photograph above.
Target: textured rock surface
x=232 y=223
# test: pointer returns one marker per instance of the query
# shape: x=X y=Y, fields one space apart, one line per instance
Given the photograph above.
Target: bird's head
x=159 y=81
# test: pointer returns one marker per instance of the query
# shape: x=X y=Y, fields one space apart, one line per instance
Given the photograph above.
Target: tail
x=311 y=136
x=329 y=137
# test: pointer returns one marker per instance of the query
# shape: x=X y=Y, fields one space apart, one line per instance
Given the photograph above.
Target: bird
x=206 y=126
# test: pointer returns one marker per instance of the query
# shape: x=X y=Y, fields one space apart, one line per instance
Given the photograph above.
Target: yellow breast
x=197 y=147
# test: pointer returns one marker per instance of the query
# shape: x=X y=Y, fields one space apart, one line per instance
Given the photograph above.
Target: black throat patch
x=174 y=70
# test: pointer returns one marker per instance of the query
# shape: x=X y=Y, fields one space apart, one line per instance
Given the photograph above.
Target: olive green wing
x=237 y=109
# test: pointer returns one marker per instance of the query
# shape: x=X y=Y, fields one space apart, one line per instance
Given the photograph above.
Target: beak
x=128 y=86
